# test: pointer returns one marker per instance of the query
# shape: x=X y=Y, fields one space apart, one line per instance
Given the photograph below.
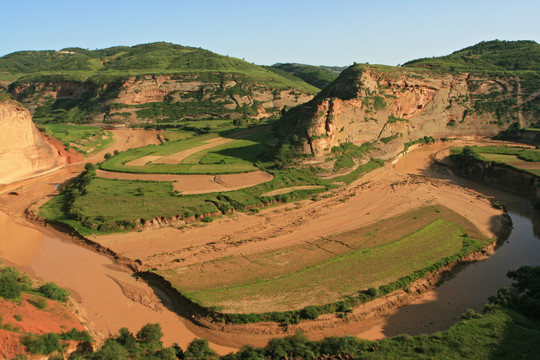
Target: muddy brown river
x=109 y=297
x=105 y=292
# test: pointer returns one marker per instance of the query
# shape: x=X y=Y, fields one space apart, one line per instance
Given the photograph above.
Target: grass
x=103 y=65
x=301 y=275
x=518 y=157
x=239 y=155
x=85 y=139
x=130 y=201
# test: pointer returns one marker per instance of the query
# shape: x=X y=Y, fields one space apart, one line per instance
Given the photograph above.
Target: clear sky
x=332 y=32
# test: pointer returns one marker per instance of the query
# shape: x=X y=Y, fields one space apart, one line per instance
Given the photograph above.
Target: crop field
x=206 y=154
x=85 y=139
x=327 y=269
x=519 y=157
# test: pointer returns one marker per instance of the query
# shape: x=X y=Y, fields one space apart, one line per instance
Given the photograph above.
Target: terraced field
x=329 y=269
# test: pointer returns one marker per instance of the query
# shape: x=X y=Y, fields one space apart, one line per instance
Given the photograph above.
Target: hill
x=487 y=56
x=148 y=83
x=393 y=107
x=318 y=76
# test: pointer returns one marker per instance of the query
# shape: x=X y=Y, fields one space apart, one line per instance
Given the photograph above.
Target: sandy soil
x=197 y=184
x=178 y=157
x=526 y=165
x=54 y=318
x=291 y=189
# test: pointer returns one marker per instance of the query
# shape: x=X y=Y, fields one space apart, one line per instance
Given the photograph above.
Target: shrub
x=150 y=336
x=199 y=350
x=373 y=292
x=44 y=344
x=310 y=312
x=54 y=292
x=39 y=302
x=111 y=350
x=10 y=289
x=470 y=314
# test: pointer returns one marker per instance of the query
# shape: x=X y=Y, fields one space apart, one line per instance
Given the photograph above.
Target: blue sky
x=332 y=32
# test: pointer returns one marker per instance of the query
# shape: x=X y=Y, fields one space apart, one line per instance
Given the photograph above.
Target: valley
x=239 y=204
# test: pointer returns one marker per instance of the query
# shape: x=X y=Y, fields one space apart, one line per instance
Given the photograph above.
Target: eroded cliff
x=392 y=106
x=23 y=149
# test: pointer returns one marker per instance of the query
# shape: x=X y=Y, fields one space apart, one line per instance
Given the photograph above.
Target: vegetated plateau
x=204 y=169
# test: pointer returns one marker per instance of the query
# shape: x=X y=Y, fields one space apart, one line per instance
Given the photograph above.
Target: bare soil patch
x=196 y=184
x=180 y=156
x=143 y=161
x=291 y=189
x=27 y=318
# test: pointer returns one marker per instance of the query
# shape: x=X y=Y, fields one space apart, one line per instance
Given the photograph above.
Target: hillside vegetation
x=148 y=83
x=494 y=55
x=318 y=76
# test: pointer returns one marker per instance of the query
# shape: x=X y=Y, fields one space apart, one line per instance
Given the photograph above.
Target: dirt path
x=178 y=157
x=291 y=189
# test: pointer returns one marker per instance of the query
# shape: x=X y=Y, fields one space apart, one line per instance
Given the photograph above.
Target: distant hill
x=487 y=56
x=318 y=76
x=157 y=82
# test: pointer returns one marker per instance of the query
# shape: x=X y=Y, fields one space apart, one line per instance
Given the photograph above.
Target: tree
x=111 y=350
x=199 y=350
x=150 y=336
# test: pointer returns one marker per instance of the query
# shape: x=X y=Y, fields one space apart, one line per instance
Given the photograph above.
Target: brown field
x=178 y=157
x=197 y=184
x=143 y=160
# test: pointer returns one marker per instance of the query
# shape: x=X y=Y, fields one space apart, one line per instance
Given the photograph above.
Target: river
x=441 y=307
x=104 y=291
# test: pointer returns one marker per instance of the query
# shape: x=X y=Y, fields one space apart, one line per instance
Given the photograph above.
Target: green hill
x=116 y=62
x=148 y=83
x=318 y=76
x=487 y=56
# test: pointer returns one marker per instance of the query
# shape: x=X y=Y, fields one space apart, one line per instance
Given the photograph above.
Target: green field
x=519 y=157
x=308 y=274
x=85 y=139
x=236 y=156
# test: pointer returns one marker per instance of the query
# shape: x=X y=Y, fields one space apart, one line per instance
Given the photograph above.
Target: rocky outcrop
x=153 y=98
x=23 y=149
x=393 y=106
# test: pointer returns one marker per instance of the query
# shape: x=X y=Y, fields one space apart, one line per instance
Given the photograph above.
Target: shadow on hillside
x=260 y=151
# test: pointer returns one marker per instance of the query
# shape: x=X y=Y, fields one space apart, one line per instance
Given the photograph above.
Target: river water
x=103 y=289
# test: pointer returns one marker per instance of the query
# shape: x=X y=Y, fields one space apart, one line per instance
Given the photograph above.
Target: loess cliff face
x=153 y=98
x=23 y=149
x=393 y=106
